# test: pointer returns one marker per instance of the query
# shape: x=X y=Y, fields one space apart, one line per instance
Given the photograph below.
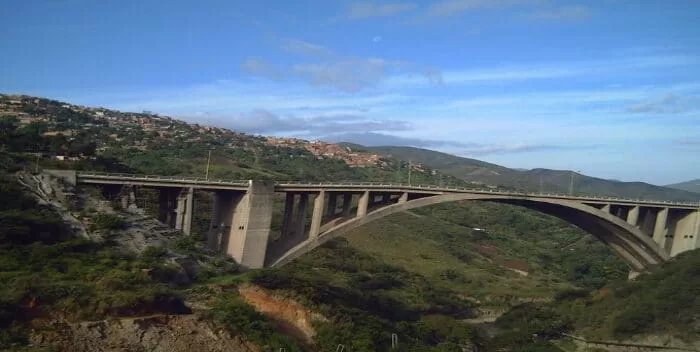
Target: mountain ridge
x=690 y=186
x=127 y=136
x=534 y=180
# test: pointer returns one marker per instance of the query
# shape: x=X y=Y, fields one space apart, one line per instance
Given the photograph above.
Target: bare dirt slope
x=160 y=333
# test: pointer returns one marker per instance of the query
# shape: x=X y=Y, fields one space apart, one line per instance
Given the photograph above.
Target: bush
x=105 y=221
x=152 y=255
x=570 y=295
x=240 y=318
x=634 y=321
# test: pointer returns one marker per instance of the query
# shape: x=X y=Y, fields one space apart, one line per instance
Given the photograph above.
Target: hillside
x=660 y=309
x=431 y=276
x=537 y=180
x=690 y=186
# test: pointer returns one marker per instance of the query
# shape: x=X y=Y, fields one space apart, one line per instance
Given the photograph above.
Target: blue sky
x=610 y=88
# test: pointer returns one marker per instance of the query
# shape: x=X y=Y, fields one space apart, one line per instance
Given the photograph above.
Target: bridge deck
x=351 y=186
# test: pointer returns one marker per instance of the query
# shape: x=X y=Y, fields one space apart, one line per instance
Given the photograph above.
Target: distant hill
x=545 y=180
x=690 y=186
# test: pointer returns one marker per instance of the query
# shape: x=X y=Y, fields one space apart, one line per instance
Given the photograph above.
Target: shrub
x=240 y=318
x=152 y=255
x=103 y=221
x=570 y=295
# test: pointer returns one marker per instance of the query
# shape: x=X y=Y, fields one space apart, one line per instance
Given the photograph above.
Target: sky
x=610 y=88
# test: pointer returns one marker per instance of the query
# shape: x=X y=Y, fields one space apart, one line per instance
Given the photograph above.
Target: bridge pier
x=241 y=223
x=683 y=234
x=317 y=216
x=301 y=214
x=166 y=205
x=288 y=216
x=332 y=204
x=347 y=204
x=127 y=197
x=660 y=230
x=633 y=216
x=184 y=210
x=363 y=204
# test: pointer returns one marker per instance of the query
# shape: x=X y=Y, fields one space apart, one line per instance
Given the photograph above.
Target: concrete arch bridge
x=642 y=232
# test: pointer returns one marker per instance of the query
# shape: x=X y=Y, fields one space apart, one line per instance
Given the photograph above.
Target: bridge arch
x=631 y=244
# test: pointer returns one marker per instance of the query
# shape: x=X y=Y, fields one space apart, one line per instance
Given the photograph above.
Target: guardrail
x=353 y=184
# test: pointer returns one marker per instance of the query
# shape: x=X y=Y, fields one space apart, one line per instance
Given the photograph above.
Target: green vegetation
x=663 y=302
x=45 y=271
x=107 y=222
x=239 y=318
x=367 y=301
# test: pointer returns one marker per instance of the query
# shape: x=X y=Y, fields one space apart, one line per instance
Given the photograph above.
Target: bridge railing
x=380 y=185
x=107 y=175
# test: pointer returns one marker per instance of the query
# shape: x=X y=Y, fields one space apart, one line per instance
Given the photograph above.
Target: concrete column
x=317 y=216
x=288 y=213
x=332 y=204
x=684 y=229
x=124 y=199
x=300 y=216
x=647 y=221
x=165 y=206
x=633 y=216
x=347 y=204
x=184 y=210
x=606 y=208
x=660 y=227
x=250 y=232
x=224 y=206
x=386 y=197
x=127 y=197
x=696 y=231
x=363 y=204
x=403 y=198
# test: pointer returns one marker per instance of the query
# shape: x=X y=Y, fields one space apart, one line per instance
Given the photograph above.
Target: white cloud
x=670 y=104
x=448 y=8
x=376 y=39
x=346 y=73
x=264 y=121
x=574 y=12
x=362 y=10
x=306 y=48
x=262 y=68
x=554 y=70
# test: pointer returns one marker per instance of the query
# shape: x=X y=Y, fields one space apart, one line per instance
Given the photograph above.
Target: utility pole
x=695 y=226
x=36 y=165
x=409 y=172
x=571 y=184
x=541 y=185
x=206 y=176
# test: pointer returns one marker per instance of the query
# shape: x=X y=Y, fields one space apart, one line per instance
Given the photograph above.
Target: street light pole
x=206 y=176
x=571 y=184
